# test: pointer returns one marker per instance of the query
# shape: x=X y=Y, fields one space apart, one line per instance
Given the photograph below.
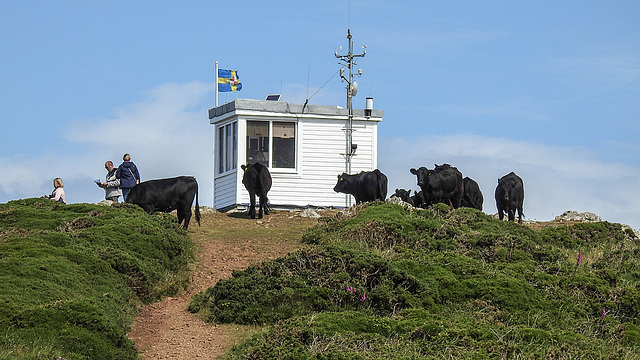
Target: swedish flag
x=228 y=80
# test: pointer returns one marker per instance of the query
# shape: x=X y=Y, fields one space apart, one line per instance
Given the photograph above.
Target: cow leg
x=519 y=214
x=500 y=214
x=186 y=215
x=262 y=205
x=512 y=215
x=252 y=207
x=180 y=215
x=266 y=205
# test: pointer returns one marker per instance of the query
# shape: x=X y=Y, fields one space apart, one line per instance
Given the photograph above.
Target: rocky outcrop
x=571 y=215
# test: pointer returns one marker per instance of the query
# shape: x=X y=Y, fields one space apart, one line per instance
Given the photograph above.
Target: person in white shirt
x=58 y=191
x=112 y=186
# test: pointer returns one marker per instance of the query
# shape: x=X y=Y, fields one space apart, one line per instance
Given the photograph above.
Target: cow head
x=423 y=174
x=341 y=185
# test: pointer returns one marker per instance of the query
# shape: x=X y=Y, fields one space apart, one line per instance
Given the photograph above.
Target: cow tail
x=197 y=205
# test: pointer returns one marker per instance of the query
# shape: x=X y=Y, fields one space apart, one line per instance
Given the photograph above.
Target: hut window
x=284 y=145
x=227 y=147
x=272 y=142
x=258 y=142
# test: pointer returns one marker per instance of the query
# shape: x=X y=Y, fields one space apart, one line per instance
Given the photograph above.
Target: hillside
x=390 y=282
x=375 y=282
x=73 y=276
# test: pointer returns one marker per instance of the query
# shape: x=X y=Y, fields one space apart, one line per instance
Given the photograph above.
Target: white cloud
x=25 y=176
x=556 y=178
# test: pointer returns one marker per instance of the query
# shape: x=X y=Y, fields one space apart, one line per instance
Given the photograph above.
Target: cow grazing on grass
x=443 y=184
x=472 y=196
x=510 y=196
x=166 y=195
x=365 y=186
x=257 y=181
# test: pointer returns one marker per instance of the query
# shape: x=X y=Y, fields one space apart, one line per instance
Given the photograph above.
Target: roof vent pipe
x=368 y=107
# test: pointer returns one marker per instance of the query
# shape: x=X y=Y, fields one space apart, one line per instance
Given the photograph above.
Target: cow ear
x=414 y=171
x=243 y=167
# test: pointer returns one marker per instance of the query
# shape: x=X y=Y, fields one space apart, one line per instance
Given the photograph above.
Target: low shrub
x=73 y=275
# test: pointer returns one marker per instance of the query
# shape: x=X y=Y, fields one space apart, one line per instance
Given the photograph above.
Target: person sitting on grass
x=58 y=191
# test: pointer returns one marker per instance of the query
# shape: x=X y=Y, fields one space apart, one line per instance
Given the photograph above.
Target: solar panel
x=273 y=97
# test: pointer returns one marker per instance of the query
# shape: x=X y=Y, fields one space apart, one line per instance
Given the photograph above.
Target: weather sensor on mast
x=349 y=60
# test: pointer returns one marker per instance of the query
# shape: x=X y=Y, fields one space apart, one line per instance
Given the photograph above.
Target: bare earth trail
x=227 y=242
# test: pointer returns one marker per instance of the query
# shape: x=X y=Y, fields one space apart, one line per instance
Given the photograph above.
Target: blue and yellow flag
x=228 y=81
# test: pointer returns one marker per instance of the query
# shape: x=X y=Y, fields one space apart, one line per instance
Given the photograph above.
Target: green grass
x=73 y=276
x=389 y=282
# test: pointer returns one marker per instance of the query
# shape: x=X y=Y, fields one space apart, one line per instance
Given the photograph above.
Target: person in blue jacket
x=128 y=174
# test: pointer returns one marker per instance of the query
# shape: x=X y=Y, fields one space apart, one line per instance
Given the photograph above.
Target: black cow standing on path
x=365 y=186
x=443 y=184
x=166 y=195
x=472 y=196
x=510 y=196
x=257 y=181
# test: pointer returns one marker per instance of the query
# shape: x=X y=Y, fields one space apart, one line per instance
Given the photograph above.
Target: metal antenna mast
x=349 y=61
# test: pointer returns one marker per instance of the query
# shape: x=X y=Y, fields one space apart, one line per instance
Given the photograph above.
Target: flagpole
x=216 y=84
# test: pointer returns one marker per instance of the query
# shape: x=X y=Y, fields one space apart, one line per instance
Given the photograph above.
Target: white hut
x=304 y=147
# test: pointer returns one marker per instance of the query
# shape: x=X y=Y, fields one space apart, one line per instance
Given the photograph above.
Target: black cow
x=472 y=196
x=404 y=195
x=443 y=184
x=257 y=181
x=166 y=195
x=365 y=186
x=418 y=199
x=510 y=196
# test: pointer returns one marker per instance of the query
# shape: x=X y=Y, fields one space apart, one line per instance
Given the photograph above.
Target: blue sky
x=548 y=89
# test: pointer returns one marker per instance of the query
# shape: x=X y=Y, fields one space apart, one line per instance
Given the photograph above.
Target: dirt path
x=166 y=330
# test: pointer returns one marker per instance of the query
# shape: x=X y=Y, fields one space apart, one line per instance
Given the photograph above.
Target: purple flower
x=603 y=313
x=579 y=258
x=350 y=289
x=364 y=297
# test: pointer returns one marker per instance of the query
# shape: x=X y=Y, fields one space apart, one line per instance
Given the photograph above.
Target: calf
x=404 y=195
x=472 y=196
x=257 y=181
x=166 y=195
x=418 y=199
x=510 y=196
x=365 y=186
